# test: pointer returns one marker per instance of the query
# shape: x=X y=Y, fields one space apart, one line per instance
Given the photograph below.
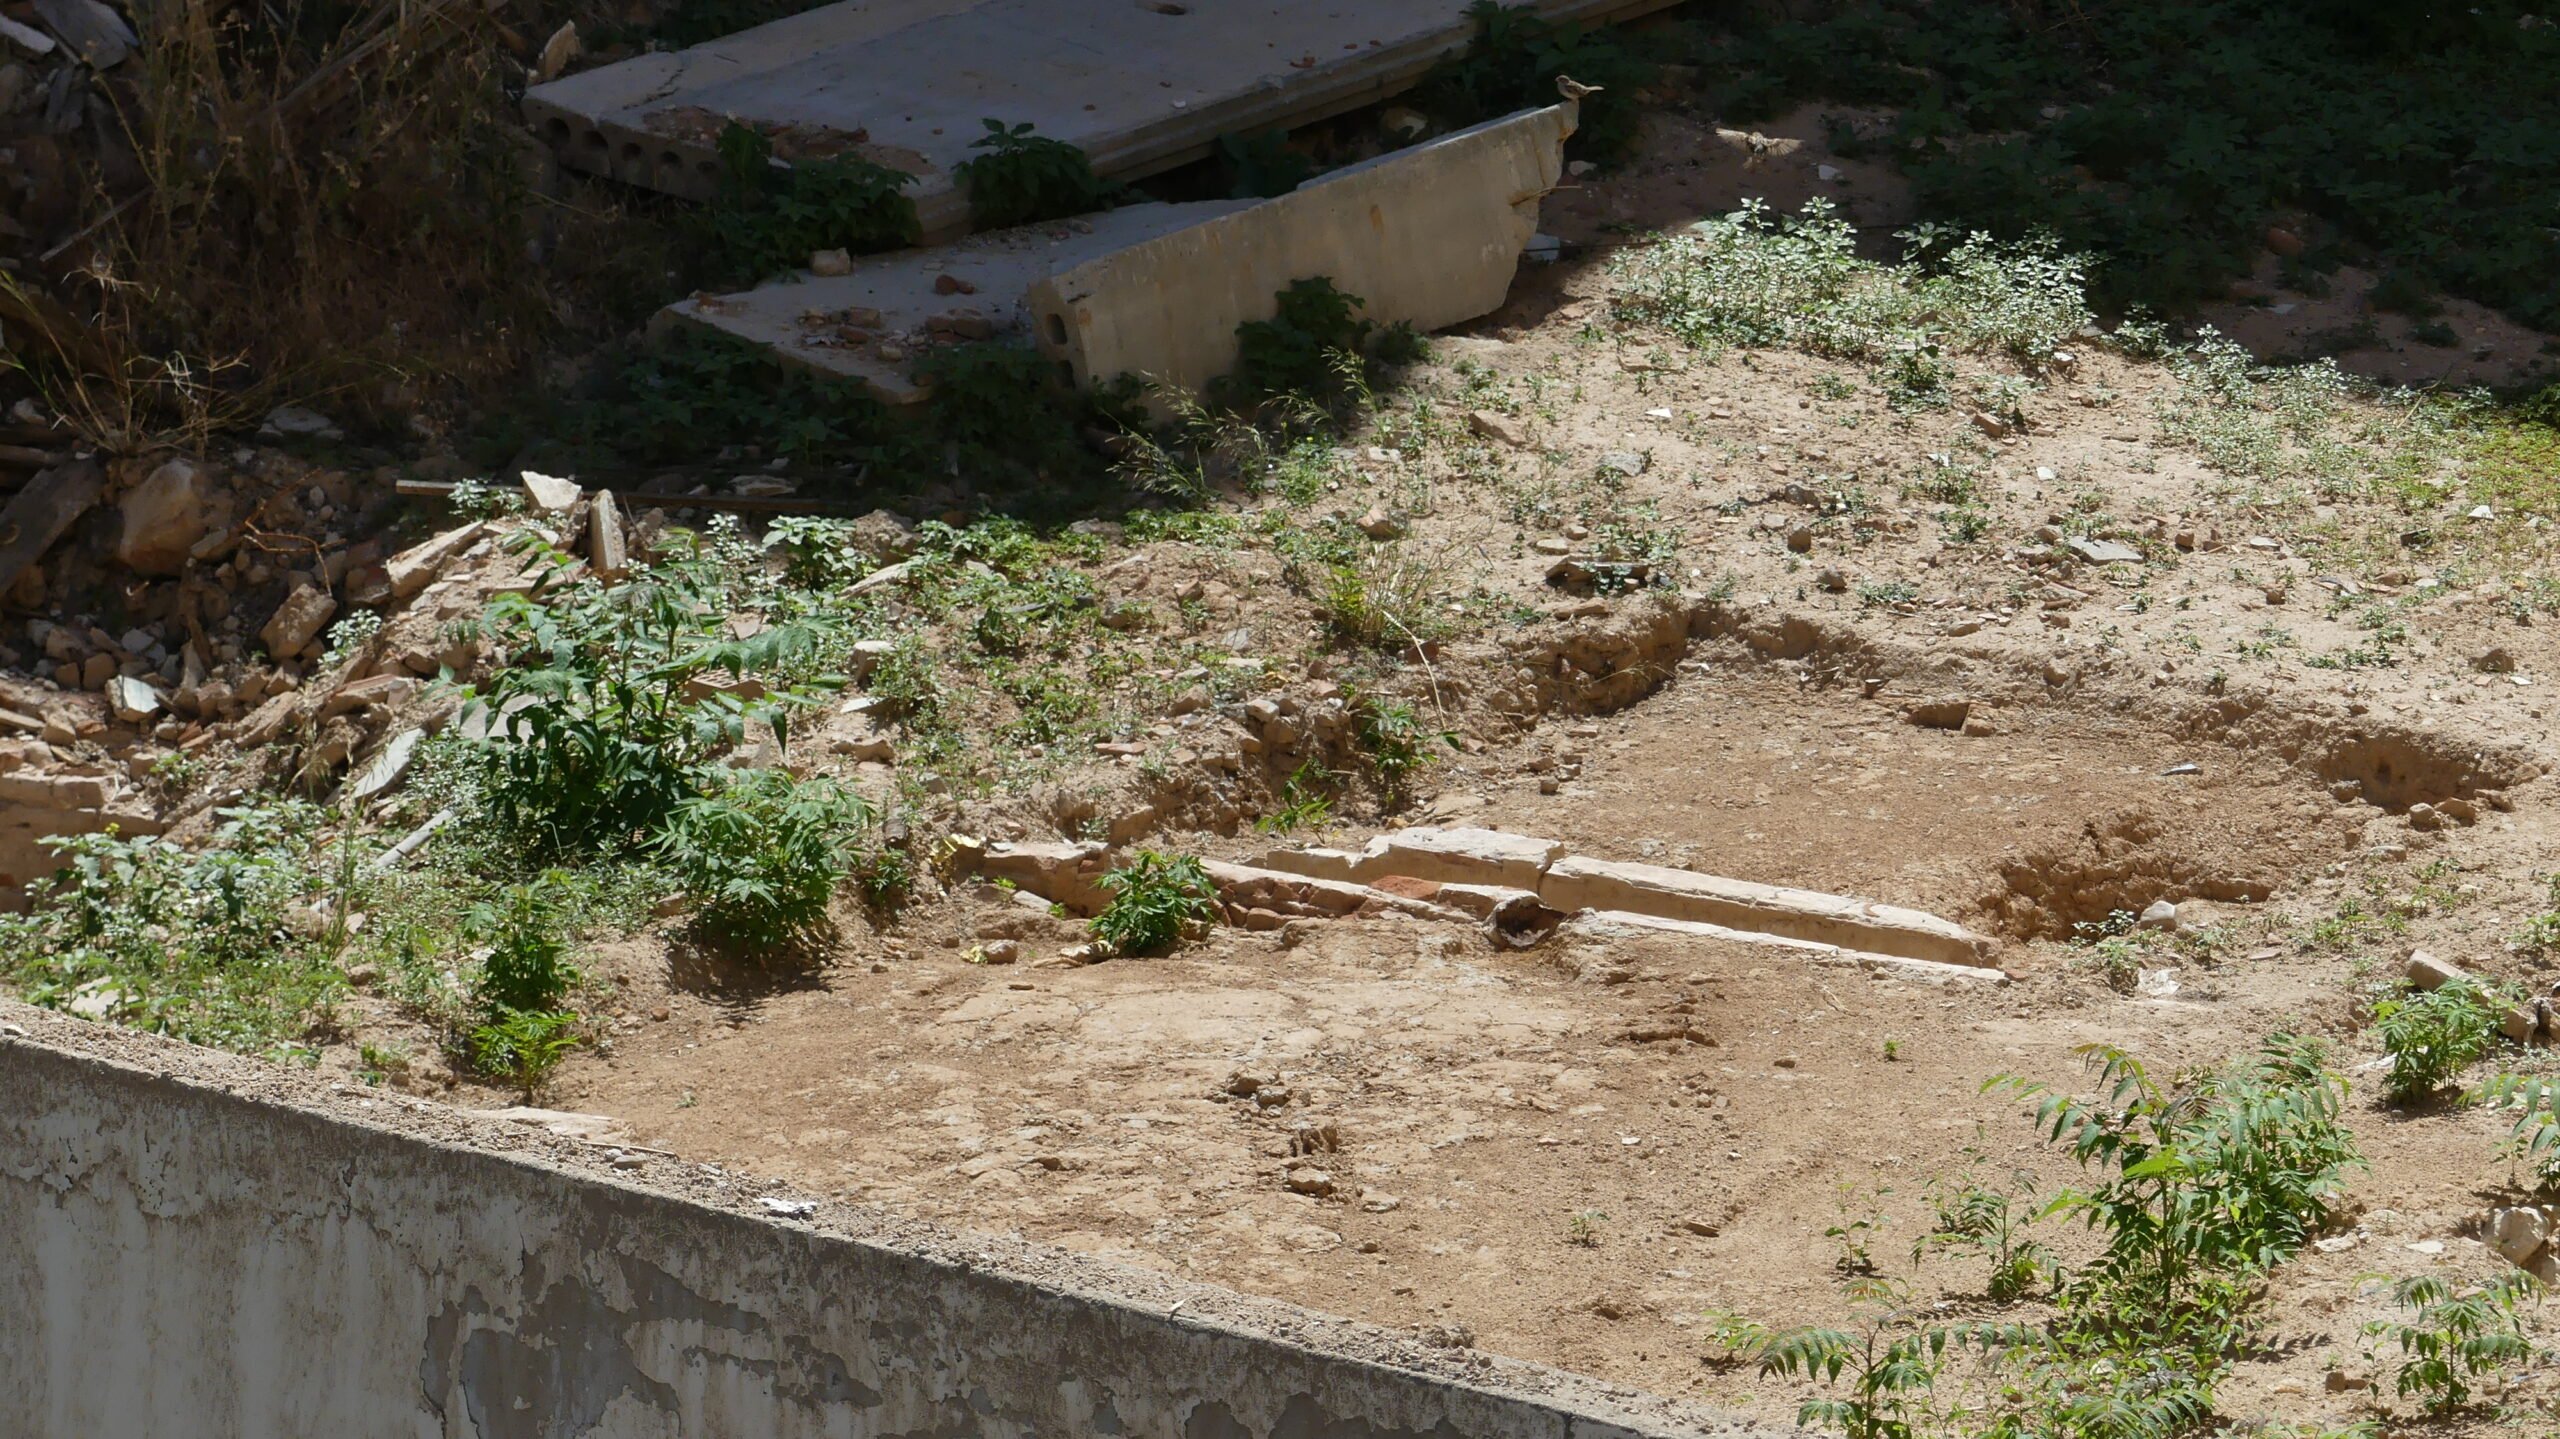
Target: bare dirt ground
x=2210 y=725
x=1501 y=1155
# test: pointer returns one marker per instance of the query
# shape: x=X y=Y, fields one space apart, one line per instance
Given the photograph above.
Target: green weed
x=2431 y=1036
x=1157 y=900
x=1024 y=177
x=2456 y=1335
x=768 y=218
x=761 y=855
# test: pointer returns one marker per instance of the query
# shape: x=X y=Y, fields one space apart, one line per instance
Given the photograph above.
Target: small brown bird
x=1573 y=89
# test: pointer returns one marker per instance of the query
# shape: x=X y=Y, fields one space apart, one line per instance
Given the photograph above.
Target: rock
x=885 y=536
x=1980 y=726
x=1308 y=1181
x=1629 y=463
x=2424 y=971
x=165 y=516
x=388 y=691
x=297 y=622
x=93 y=30
x=2517 y=1232
x=2159 y=914
x=827 y=264
x=2104 y=552
x=414 y=568
x=295 y=422
x=1800 y=539
x=607 y=553
x=550 y=493
x=96 y=670
x=2345 y=1381
x=2460 y=811
x=389 y=766
x=1990 y=424
x=132 y=700
x=1939 y=714
x=2424 y=819
x=1378 y=524
x=558 y=51
x=1494 y=425
x=1831 y=580
x=2494 y=660
x=1000 y=951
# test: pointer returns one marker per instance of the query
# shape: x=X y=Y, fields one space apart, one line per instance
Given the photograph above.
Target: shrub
x=1397 y=744
x=608 y=701
x=525 y=930
x=2432 y=1036
x=1025 y=178
x=1156 y=900
x=1314 y=348
x=520 y=1028
x=767 y=218
x=2202 y=1185
x=213 y=946
x=2455 y=1336
x=761 y=855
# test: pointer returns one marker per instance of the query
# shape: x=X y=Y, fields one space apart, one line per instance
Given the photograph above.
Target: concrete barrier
x=197 y=1245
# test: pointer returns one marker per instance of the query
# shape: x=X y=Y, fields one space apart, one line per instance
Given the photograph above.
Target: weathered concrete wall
x=1430 y=235
x=192 y=1245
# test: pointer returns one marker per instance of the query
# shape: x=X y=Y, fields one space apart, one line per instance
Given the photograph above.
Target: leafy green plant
x=524 y=1045
x=2431 y=1036
x=1889 y=1365
x=524 y=928
x=1972 y=1219
x=610 y=698
x=767 y=218
x=1395 y=740
x=2456 y=1335
x=2533 y=1135
x=1025 y=177
x=1156 y=901
x=1304 y=802
x=520 y=1027
x=1582 y=1228
x=229 y=944
x=2201 y=1184
x=1315 y=347
x=760 y=855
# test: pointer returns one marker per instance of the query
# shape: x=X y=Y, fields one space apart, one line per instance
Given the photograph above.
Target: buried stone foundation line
x=1520 y=887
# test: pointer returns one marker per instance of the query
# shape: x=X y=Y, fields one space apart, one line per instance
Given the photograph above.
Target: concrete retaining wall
x=193 y=1245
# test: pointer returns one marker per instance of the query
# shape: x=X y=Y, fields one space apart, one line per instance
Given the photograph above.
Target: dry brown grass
x=321 y=204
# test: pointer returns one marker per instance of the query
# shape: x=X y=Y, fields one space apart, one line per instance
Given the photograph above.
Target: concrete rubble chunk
x=1140 y=86
x=298 y=621
x=165 y=517
x=2424 y=971
x=414 y=568
x=608 y=554
x=1575 y=883
x=94 y=31
x=1603 y=922
x=1427 y=236
x=133 y=701
x=41 y=511
x=1494 y=425
x=387 y=768
x=2104 y=552
x=550 y=494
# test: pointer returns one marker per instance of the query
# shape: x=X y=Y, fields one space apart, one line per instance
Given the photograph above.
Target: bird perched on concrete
x=1573 y=89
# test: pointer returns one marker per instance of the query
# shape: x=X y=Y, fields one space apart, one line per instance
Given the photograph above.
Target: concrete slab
x=1427 y=236
x=1140 y=85
x=872 y=325
x=1576 y=883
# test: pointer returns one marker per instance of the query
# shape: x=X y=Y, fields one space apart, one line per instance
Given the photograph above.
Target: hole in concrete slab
x=1066 y=373
x=594 y=140
x=631 y=153
x=555 y=132
x=1164 y=7
x=1057 y=329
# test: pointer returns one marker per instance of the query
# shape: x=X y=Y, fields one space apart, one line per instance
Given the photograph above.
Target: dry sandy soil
x=1503 y=1153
